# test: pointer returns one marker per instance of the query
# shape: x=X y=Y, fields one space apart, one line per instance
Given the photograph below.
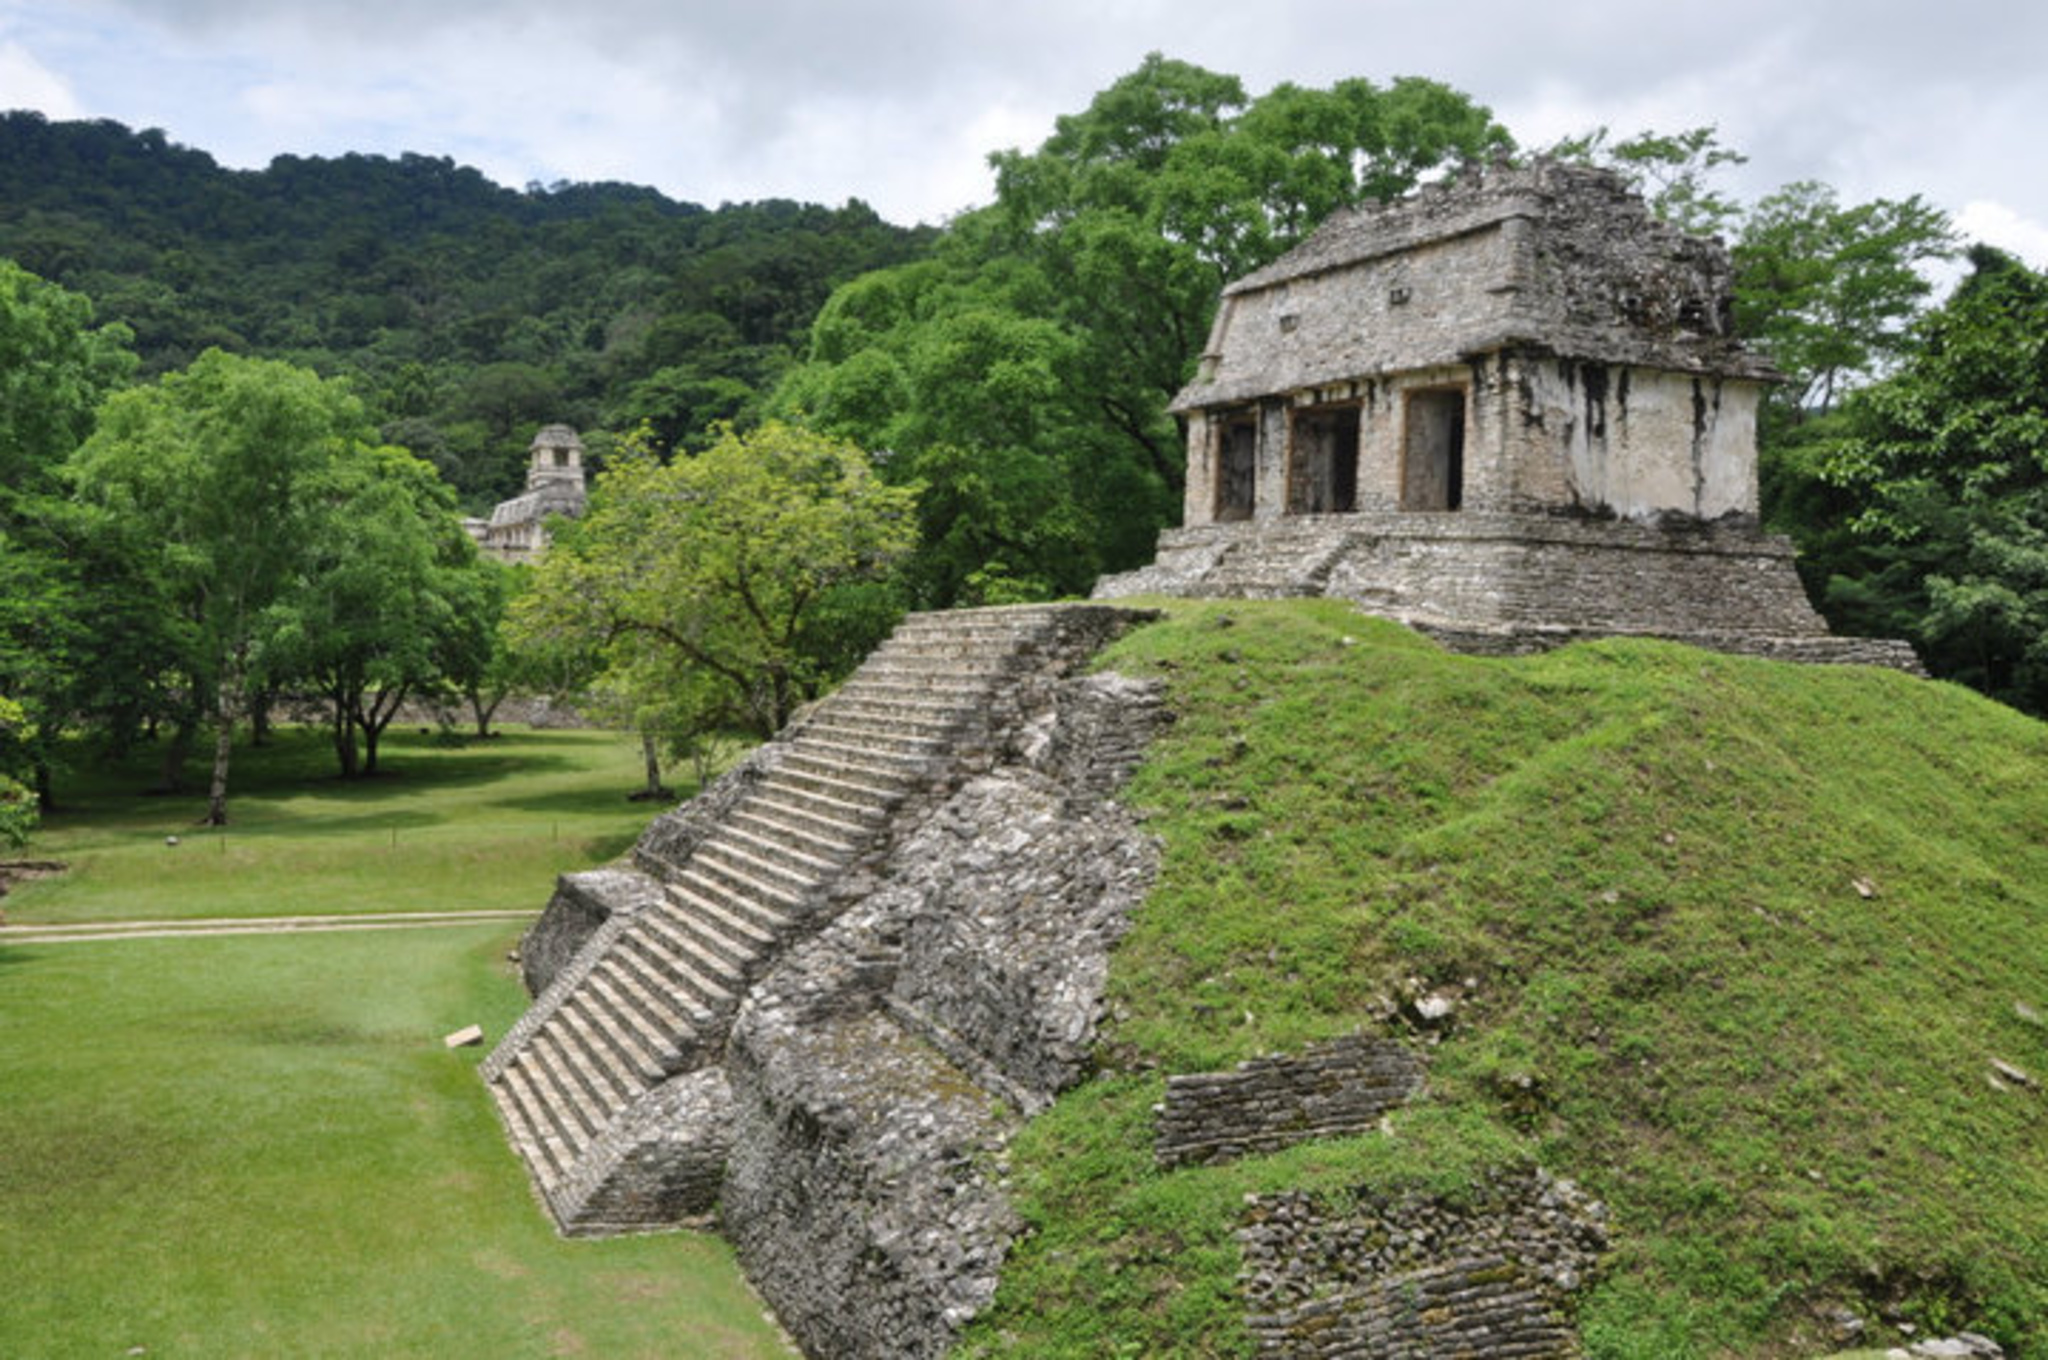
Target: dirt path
x=83 y=931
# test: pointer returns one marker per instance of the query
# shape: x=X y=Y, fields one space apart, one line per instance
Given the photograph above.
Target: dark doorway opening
x=1433 y=450
x=1237 y=461
x=1323 y=474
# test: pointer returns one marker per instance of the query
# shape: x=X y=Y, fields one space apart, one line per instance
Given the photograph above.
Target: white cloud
x=1997 y=225
x=26 y=83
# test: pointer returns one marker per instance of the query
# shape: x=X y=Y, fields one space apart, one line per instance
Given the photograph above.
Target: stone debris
x=2005 y=1071
x=469 y=1036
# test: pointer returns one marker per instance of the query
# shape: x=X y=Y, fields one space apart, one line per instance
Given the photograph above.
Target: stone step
x=598 y=1092
x=693 y=890
x=618 y=1077
x=860 y=732
x=599 y=1007
x=806 y=759
x=727 y=851
x=638 y=983
x=857 y=754
x=900 y=685
x=711 y=983
x=928 y=718
x=715 y=931
x=828 y=781
x=532 y=1131
x=829 y=818
x=718 y=877
x=558 y=1092
x=971 y=669
x=797 y=832
x=794 y=852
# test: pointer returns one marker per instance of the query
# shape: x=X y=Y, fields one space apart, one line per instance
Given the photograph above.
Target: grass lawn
x=444 y=828
x=256 y=1145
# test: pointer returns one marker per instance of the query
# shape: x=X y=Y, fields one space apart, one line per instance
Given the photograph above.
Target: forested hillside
x=465 y=313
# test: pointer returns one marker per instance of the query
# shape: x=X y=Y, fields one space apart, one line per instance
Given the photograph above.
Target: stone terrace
x=603 y=1080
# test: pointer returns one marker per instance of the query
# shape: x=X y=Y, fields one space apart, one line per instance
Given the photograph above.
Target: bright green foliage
x=697 y=582
x=226 y=476
x=1023 y=374
x=1641 y=865
x=1940 y=480
x=1827 y=291
x=386 y=585
x=57 y=653
x=55 y=366
x=17 y=801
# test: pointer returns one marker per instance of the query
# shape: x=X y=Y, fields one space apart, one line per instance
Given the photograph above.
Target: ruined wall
x=1493 y=1273
x=1334 y=1089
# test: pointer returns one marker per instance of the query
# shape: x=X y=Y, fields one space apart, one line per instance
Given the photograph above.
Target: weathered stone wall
x=1636 y=442
x=582 y=903
x=1334 y=1089
x=1419 y=1278
x=879 y=1070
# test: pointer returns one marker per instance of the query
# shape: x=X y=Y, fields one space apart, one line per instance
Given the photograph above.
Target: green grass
x=1644 y=860
x=257 y=1145
x=444 y=828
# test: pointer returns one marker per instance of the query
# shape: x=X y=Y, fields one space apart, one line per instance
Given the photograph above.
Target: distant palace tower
x=516 y=530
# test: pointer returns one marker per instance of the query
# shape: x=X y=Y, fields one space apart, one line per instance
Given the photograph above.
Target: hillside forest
x=241 y=410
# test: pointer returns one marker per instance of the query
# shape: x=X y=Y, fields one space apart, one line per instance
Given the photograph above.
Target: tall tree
x=217 y=467
x=56 y=366
x=1023 y=374
x=697 y=579
x=1829 y=291
x=1943 y=473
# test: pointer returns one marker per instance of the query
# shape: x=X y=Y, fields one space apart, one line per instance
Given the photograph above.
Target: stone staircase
x=650 y=999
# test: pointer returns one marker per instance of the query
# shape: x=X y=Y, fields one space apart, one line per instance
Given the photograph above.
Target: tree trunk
x=345 y=742
x=650 y=754
x=259 y=719
x=483 y=711
x=374 y=717
x=46 y=791
x=223 y=747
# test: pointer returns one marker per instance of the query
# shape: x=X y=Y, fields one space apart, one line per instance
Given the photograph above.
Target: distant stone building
x=516 y=530
x=1510 y=410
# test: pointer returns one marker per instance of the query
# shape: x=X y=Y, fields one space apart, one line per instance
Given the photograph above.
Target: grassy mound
x=1738 y=943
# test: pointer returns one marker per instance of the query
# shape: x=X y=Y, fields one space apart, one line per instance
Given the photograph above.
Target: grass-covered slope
x=1740 y=943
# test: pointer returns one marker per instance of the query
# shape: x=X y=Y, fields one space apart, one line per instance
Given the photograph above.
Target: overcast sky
x=898 y=102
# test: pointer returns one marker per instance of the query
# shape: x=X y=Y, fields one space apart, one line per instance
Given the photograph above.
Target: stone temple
x=517 y=529
x=1508 y=410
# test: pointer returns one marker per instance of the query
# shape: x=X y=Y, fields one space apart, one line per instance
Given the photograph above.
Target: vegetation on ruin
x=258 y=1145
x=1735 y=943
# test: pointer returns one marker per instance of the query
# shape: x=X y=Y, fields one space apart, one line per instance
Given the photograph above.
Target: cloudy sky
x=898 y=102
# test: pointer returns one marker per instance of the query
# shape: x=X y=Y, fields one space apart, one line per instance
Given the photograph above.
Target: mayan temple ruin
x=814 y=1003
x=1509 y=410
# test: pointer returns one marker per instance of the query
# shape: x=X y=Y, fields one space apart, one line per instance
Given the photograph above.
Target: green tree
x=695 y=580
x=1943 y=477
x=384 y=576
x=17 y=801
x=1829 y=291
x=216 y=470
x=55 y=367
x=59 y=637
x=1023 y=373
